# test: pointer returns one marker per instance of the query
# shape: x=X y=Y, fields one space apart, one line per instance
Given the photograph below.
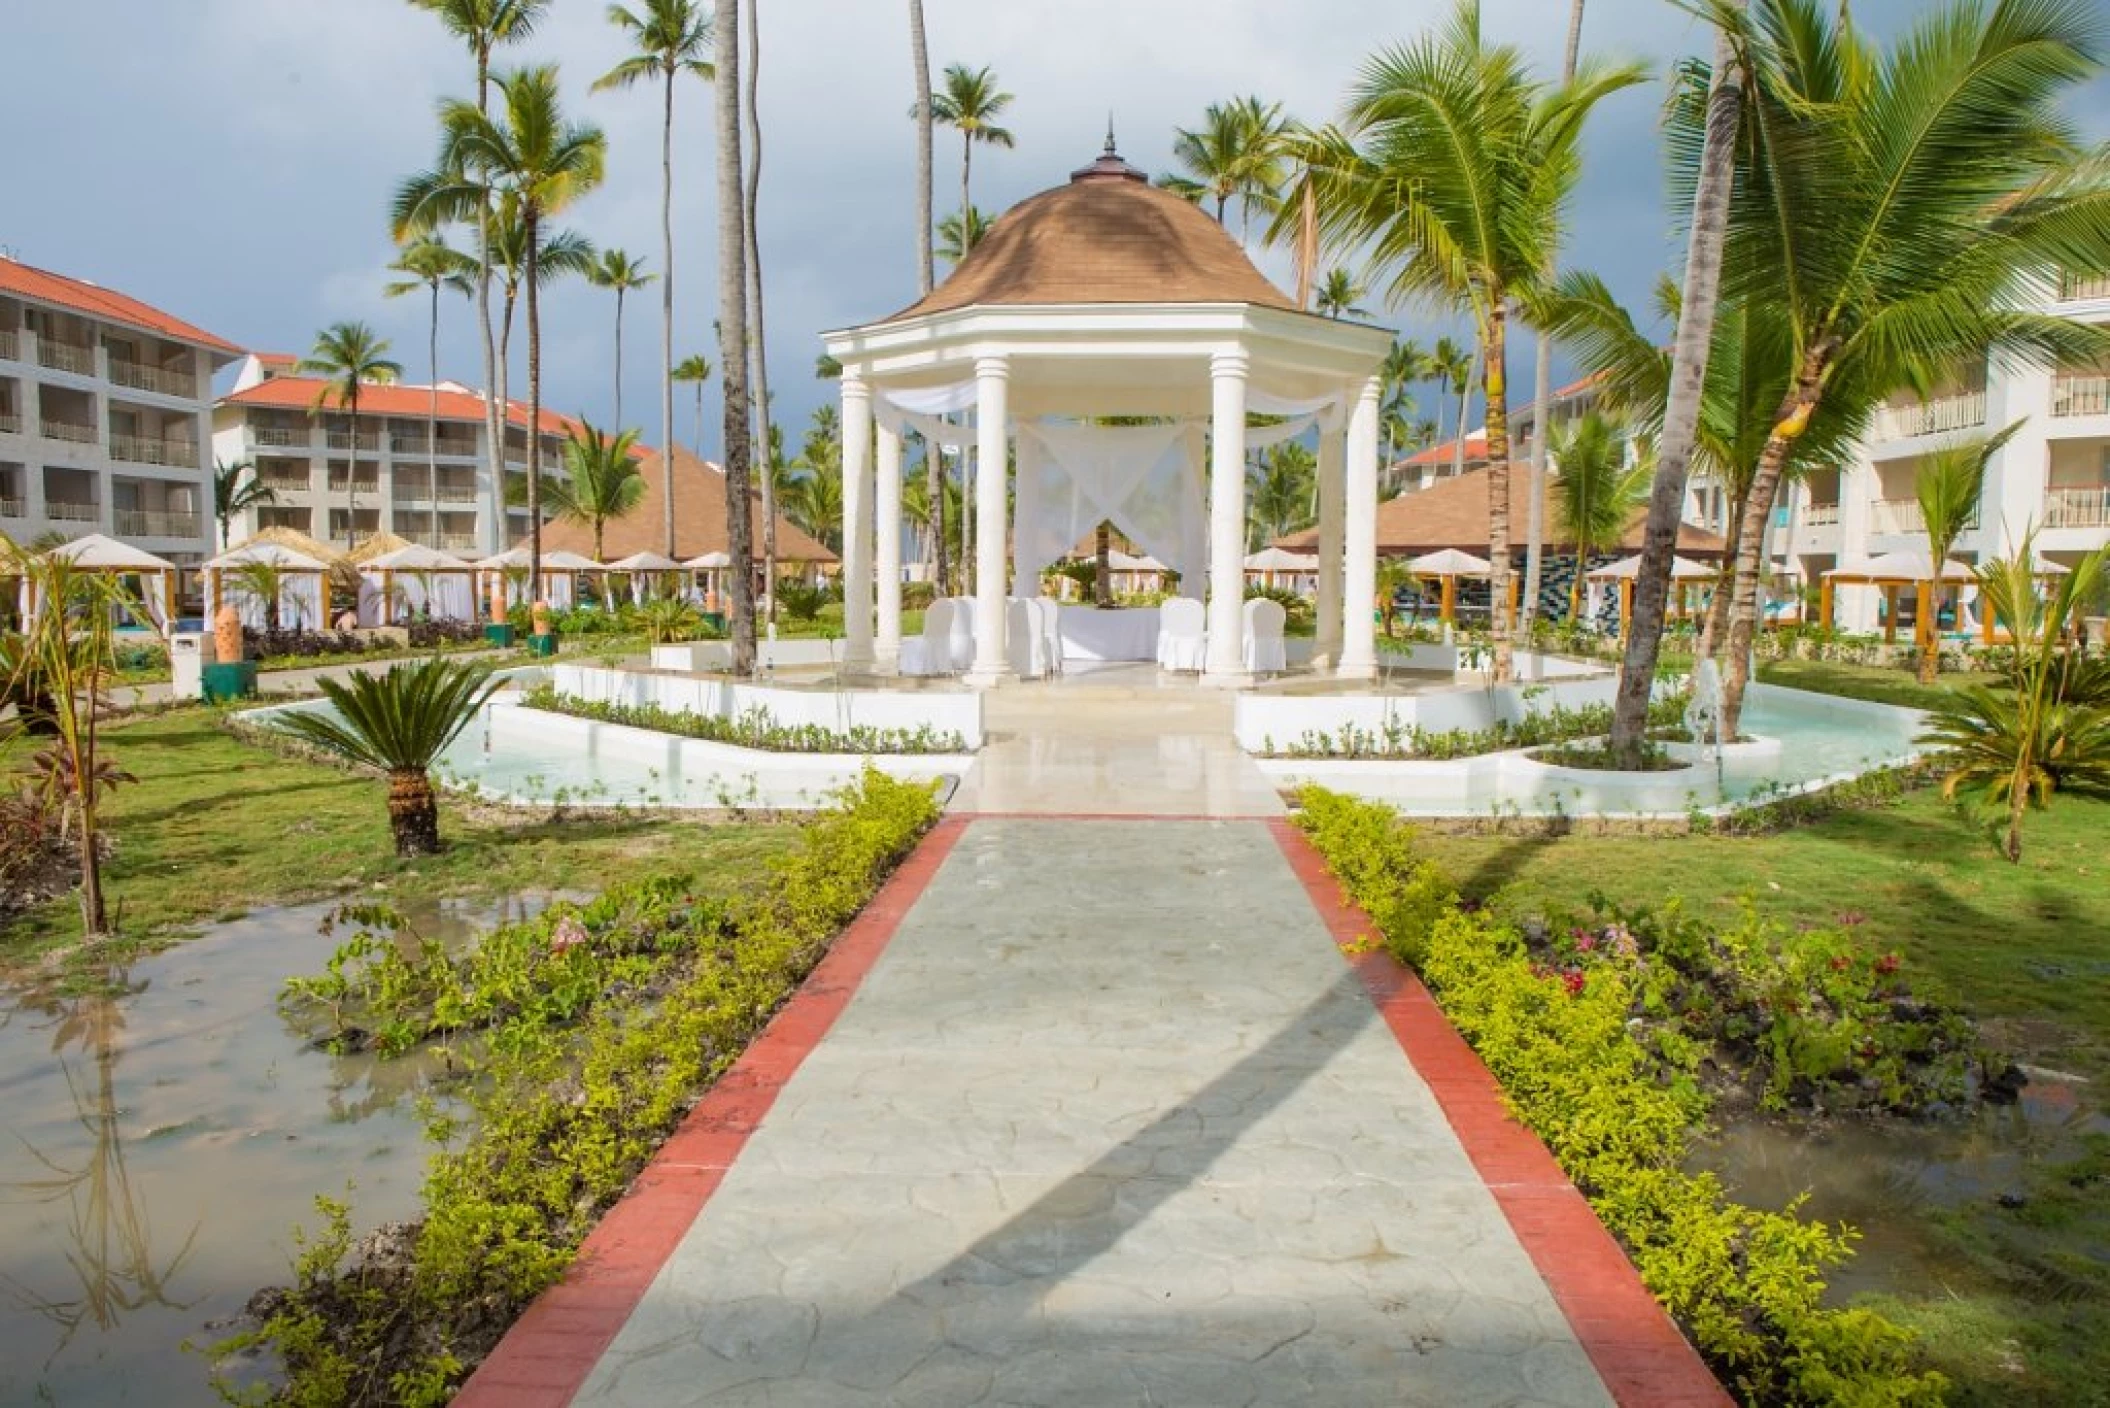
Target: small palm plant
x=2048 y=731
x=1597 y=492
x=264 y=582
x=668 y=620
x=601 y=483
x=1948 y=486
x=399 y=722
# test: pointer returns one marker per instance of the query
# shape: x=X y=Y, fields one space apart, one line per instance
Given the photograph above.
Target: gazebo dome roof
x=1108 y=236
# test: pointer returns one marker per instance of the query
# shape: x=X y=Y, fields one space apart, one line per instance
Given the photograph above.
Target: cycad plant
x=1595 y=490
x=398 y=723
x=2048 y=730
x=1948 y=485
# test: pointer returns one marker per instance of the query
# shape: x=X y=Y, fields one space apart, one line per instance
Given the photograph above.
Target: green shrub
x=756 y=728
x=1396 y=739
x=1745 y=1284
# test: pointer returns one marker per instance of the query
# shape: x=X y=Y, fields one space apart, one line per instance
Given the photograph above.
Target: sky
x=232 y=161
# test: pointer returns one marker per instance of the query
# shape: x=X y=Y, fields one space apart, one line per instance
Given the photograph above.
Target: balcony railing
x=363 y=486
x=13 y=508
x=2085 y=506
x=142 y=449
x=455 y=446
x=345 y=440
x=446 y=542
x=10 y=423
x=2074 y=288
x=456 y=494
x=149 y=523
x=2087 y=395
x=66 y=430
x=277 y=435
x=61 y=511
x=1896 y=516
x=286 y=483
x=141 y=377
x=10 y=345
x=65 y=357
x=410 y=494
x=1820 y=515
x=1944 y=413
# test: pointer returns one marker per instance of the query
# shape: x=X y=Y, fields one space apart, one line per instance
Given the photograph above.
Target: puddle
x=160 y=1146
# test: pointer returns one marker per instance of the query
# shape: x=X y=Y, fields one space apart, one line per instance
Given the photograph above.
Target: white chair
x=1027 y=646
x=1051 y=631
x=931 y=652
x=1264 y=651
x=960 y=652
x=1181 y=625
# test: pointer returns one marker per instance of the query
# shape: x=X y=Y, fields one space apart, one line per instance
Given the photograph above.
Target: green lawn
x=1885 y=684
x=215 y=826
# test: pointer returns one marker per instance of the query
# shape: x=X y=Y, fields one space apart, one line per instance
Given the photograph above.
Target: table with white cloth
x=1123 y=633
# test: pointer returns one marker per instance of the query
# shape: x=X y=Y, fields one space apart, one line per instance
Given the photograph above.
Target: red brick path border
x=1637 y=1350
x=545 y=1358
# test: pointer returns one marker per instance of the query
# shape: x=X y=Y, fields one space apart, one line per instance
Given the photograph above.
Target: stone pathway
x=1110 y=1121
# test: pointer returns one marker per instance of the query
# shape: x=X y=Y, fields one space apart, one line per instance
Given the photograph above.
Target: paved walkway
x=1108 y=1121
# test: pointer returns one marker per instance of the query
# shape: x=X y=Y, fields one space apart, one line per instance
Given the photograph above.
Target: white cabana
x=713 y=564
x=641 y=568
x=1446 y=566
x=1271 y=564
x=1892 y=571
x=414 y=579
x=1684 y=573
x=106 y=556
x=1107 y=298
x=298 y=594
x=507 y=571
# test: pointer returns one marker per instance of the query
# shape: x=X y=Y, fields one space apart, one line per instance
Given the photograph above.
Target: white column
x=857 y=524
x=1333 y=488
x=886 y=505
x=991 y=415
x=1359 y=591
x=1225 y=661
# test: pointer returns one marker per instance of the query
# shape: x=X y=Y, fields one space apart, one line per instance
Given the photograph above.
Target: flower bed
x=754 y=728
x=1557 y=724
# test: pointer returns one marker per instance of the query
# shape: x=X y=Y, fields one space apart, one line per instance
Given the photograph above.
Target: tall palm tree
x=957 y=236
x=919 y=55
x=1451 y=368
x=614 y=270
x=601 y=480
x=671 y=38
x=1900 y=206
x=558 y=254
x=348 y=356
x=1455 y=169
x=1279 y=500
x=1597 y=491
x=1337 y=295
x=399 y=723
x=1404 y=365
x=538 y=163
x=235 y=491
x=483 y=26
x=695 y=368
x=814 y=496
x=431 y=264
x=757 y=339
x=1240 y=152
x=1948 y=484
x=970 y=103
x=732 y=339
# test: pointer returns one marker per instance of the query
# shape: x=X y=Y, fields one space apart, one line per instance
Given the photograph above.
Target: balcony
x=67 y=431
x=346 y=440
x=446 y=542
x=10 y=346
x=147 y=523
x=61 y=511
x=141 y=377
x=285 y=483
x=2080 y=395
x=2083 y=506
x=363 y=486
x=1903 y=516
x=278 y=435
x=65 y=357
x=409 y=494
x=1820 y=515
x=2077 y=288
x=456 y=494
x=13 y=508
x=142 y=449
x=10 y=423
x=1963 y=411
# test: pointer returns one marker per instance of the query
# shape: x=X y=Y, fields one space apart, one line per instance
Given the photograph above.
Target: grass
x=216 y=826
x=1884 y=684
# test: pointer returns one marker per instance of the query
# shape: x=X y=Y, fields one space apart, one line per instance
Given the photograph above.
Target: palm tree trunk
x=699 y=425
x=1103 y=578
x=1465 y=407
x=505 y=414
x=1542 y=395
x=666 y=322
x=530 y=218
x=351 y=480
x=919 y=50
x=934 y=480
x=432 y=414
x=1716 y=627
x=494 y=377
x=1497 y=397
x=966 y=200
x=754 y=294
x=732 y=339
x=619 y=357
x=413 y=814
x=1688 y=373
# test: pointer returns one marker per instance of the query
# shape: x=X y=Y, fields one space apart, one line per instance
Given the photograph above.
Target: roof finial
x=1110 y=132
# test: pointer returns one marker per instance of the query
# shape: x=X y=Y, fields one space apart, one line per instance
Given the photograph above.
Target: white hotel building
x=105 y=416
x=430 y=489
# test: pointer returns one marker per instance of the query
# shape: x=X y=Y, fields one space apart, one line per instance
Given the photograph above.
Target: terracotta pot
x=541 y=618
x=227 y=634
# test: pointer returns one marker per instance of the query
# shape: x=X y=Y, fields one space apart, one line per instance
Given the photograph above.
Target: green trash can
x=542 y=646
x=236 y=680
x=500 y=634
x=715 y=620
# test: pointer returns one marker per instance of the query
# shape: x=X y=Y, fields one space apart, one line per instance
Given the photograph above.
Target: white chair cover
x=1264 y=651
x=931 y=652
x=1050 y=621
x=1027 y=646
x=960 y=653
x=1181 y=626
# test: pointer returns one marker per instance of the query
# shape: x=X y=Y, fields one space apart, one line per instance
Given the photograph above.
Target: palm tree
x=971 y=102
x=432 y=264
x=814 y=495
x=1403 y=366
x=558 y=254
x=601 y=481
x=263 y=581
x=1451 y=367
x=235 y=491
x=757 y=339
x=732 y=340
x=1900 y=206
x=615 y=270
x=919 y=53
x=958 y=237
x=1279 y=500
x=538 y=163
x=1458 y=186
x=1596 y=490
x=1337 y=295
x=1238 y=153
x=696 y=368
x=1948 y=484
x=483 y=26
x=348 y=356
x=399 y=723
x=671 y=37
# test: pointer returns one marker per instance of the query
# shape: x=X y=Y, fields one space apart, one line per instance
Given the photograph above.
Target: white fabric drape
x=299 y=602
x=1142 y=478
x=154 y=593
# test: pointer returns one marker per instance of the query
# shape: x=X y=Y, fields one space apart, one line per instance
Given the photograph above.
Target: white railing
x=278 y=435
x=60 y=511
x=446 y=542
x=2086 y=395
x=419 y=445
x=147 y=523
x=459 y=449
x=2074 y=288
x=1820 y=515
x=345 y=439
x=1896 y=516
x=290 y=484
x=142 y=377
x=1959 y=412
x=2087 y=506
x=141 y=449
x=364 y=486
x=10 y=423
x=65 y=357
x=13 y=508
x=10 y=346
x=456 y=494
x=409 y=494
x=66 y=430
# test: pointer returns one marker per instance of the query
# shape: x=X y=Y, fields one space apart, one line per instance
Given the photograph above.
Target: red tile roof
x=26 y=281
x=1475 y=452
x=298 y=393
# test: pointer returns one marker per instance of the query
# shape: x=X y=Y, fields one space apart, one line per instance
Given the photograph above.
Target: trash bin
x=500 y=634
x=187 y=652
x=229 y=681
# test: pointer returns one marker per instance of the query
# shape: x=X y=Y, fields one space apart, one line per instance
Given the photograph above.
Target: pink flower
x=1573 y=981
x=1585 y=943
x=568 y=934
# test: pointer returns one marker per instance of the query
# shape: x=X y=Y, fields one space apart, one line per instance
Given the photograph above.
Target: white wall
x=1284 y=718
x=947 y=711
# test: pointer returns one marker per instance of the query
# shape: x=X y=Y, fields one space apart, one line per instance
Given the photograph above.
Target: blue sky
x=232 y=160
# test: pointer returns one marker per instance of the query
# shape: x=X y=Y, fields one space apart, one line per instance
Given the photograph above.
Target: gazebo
x=1891 y=572
x=642 y=567
x=1447 y=565
x=1268 y=564
x=560 y=570
x=440 y=583
x=1684 y=572
x=110 y=558
x=1106 y=298
x=713 y=565
x=301 y=581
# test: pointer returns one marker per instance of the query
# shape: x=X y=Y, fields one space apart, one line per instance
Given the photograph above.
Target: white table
x=1123 y=633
